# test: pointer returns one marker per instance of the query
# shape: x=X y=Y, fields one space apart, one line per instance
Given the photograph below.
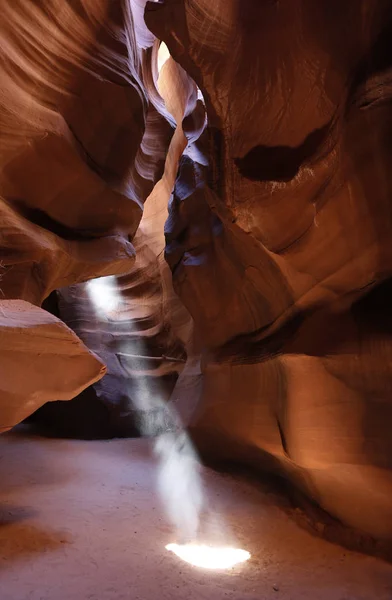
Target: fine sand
x=82 y=521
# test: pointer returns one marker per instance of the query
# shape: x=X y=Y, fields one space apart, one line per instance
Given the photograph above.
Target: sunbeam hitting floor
x=82 y=520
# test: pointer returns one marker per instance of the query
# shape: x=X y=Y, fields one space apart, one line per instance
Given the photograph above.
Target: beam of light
x=209 y=557
x=104 y=295
x=179 y=482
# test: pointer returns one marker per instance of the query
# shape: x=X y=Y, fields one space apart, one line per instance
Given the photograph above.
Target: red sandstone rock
x=280 y=248
x=41 y=359
x=81 y=146
x=279 y=228
x=143 y=336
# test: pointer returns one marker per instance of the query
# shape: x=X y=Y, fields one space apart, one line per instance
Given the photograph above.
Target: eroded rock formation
x=279 y=225
x=41 y=359
x=136 y=325
x=281 y=250
x=81 y=146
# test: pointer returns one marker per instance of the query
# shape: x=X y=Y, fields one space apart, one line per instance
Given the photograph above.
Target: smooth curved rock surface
x=81 y=145
x=40 y=359
x=280 y=247
x=279 y=228
x=134 y=323
x=73 y=118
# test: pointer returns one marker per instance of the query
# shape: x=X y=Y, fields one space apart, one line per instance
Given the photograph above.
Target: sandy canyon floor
x=82 y=521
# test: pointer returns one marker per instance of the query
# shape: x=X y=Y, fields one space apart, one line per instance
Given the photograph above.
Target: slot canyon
x=195 y=299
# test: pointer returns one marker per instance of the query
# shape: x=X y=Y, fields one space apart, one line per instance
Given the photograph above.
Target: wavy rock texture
x=81 y=146
x=135 y=323
x=280 y=248
x=279 y=227
x=71 y=102
x=37 y=352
